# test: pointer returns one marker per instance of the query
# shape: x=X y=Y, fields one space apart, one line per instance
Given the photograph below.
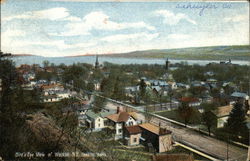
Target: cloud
x=237 y=18
x=13 y=33
x=121 y=37
x=11 y=39
x=59 y=13
x=172 y=19
x=178 y=36
x=7 y=36
x=99 y=21
x=60 y=44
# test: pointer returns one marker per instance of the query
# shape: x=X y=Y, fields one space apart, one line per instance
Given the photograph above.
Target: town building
x=158 y=138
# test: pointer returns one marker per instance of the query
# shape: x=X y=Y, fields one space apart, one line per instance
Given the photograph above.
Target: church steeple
x=96 y=62
x=167 y=64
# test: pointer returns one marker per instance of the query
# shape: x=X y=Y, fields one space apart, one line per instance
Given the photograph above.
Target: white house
x=51 y=98
x=55 y=96
x=120 y=120
x=222 y=114
x=96 y=121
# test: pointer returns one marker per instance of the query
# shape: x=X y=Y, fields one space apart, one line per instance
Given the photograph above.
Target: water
x=116 y=60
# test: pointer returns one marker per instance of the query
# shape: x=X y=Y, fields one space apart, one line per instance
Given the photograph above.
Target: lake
x=116 y=60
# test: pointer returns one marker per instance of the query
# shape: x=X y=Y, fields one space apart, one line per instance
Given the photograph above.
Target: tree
x=98 y=104
x=79 y=84
x=209 y=120
x=236 y=122
x=142 y=87
x=11 y=122
x=185 y=113
x=118 y=92
x=45 y=63
x=90 y=86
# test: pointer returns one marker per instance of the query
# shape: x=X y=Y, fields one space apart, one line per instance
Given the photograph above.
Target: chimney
x=118 y=109
x=163 y=131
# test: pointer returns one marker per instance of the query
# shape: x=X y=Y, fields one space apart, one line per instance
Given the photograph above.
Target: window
x=120 y=130
x=99 y=125
x=135 y=140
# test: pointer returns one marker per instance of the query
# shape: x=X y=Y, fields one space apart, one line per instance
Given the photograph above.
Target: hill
x=202 y=53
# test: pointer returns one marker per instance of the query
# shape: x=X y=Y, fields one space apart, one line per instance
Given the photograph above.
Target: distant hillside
x=203 y=53
x=22 y=55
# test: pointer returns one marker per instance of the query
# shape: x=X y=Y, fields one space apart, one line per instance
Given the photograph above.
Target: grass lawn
x=175 y=116
x=131 y=154
x=179 y=150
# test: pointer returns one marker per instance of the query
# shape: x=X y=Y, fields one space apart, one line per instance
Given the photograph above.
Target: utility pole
x=227 y=148
x=249 y=84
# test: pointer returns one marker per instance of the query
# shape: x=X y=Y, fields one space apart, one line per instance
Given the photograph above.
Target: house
x=211 y=80
x=132 y=90
x=97 y=85
x=132 y=93
x=55 y=96
x=181 y=85
x=221 y=114
x=209 y=73
x=50 y=98
x=172 y=85
x=28 y=76
x=132 y=135
x=190 y=101
x=159 y=138
x=52 y=87
x=206 y=98
x=65 y=94
x=121 y=119
x=239 y=96
x=173 y=157
x=157 y=90
x=96 y=121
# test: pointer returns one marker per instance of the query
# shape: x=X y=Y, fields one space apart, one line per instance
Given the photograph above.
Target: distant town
x=130 y=112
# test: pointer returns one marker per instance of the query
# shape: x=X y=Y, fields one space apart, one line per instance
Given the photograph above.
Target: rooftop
x=155 y=129
x=133 y=129
x=223 y=111
x=239 y=94
x=94 y=115
x=189 y=99
x=121 y=116
x=52 y=86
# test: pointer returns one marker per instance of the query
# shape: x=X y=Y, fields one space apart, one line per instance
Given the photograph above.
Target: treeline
x=21 y=130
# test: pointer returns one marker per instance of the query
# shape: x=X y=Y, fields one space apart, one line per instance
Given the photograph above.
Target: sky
x=72 y=27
